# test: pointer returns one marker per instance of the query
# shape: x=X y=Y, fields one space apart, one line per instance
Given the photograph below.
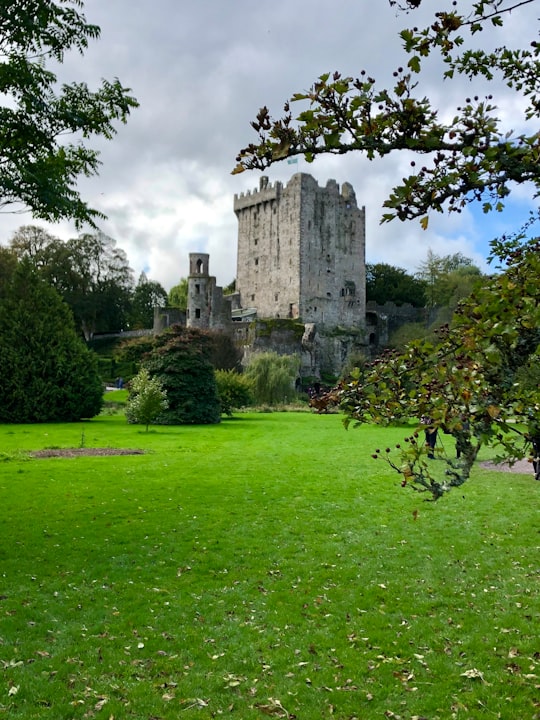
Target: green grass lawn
x=263 y=567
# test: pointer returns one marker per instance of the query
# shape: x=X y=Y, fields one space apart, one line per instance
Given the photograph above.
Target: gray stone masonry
x=301 y=252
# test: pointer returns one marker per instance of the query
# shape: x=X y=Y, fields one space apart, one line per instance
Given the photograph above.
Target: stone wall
x=301 y=252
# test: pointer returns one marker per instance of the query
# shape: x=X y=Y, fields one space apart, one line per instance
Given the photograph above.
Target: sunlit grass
x=266 y=566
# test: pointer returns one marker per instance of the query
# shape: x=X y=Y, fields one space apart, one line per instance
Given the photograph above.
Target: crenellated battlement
x=264 y=193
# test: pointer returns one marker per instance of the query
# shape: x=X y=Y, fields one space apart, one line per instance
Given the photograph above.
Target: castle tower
x=301 y=252
x=200 y=291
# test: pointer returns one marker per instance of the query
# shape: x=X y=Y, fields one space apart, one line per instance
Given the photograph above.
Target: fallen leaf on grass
x=274 y=707
x=232 y=681
x=100 y=703
x=195 y=703
x=473 y=673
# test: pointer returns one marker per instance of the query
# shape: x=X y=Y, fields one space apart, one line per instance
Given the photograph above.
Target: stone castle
x=300 y=280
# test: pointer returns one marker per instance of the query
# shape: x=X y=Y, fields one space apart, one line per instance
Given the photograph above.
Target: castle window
x=252 y=298
x=197 y=289
x=329 y=294
x=350 y=288
x=197 y=313
x=256 y=261
x=276 y=297
x=255 y=241
x=199 y=266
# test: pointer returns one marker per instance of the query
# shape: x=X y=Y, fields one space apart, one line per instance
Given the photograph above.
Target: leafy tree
x=224 y=353
x=32 y=241
x=147 y=295
x=135 y=349
x=467 y=382
x=448 y=278
x=178 y=295
x=147 y=399
x=8 y=263
x=234 y=391
x=48 y=374
x=96 y=283
x=230 y=288
x=39 y=166
x=180 y=360
x=272 y=377
x=388 y=283
x=90 y=272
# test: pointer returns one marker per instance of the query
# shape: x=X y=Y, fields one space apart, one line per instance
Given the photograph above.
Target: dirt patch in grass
x=521 y=466
x=90 y=452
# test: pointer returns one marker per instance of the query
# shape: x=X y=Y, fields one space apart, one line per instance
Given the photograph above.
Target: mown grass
x=263 y=567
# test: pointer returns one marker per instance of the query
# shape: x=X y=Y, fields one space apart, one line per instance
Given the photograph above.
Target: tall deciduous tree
x=388 y=283
x=468 y=383
x=147 y=295
x=448 y=278
x=178 y=295
x=39 y=166
x=90 y=273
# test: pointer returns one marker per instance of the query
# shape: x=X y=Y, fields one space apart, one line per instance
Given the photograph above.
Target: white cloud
x=200 y=70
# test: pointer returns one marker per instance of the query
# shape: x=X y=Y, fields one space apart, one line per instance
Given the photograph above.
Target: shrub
x=234 y=391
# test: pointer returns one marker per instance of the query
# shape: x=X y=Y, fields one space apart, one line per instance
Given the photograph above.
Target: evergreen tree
x=181 y=360
x=48 y=374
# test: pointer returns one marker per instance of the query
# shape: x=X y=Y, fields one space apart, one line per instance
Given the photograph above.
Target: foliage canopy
x=90 y=272
x=272 y=377
x=48 y=374
x=39 y=166
x=146 y=400
x=388 y=283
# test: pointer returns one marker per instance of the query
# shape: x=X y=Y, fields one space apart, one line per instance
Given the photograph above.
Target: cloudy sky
x=201 y=69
